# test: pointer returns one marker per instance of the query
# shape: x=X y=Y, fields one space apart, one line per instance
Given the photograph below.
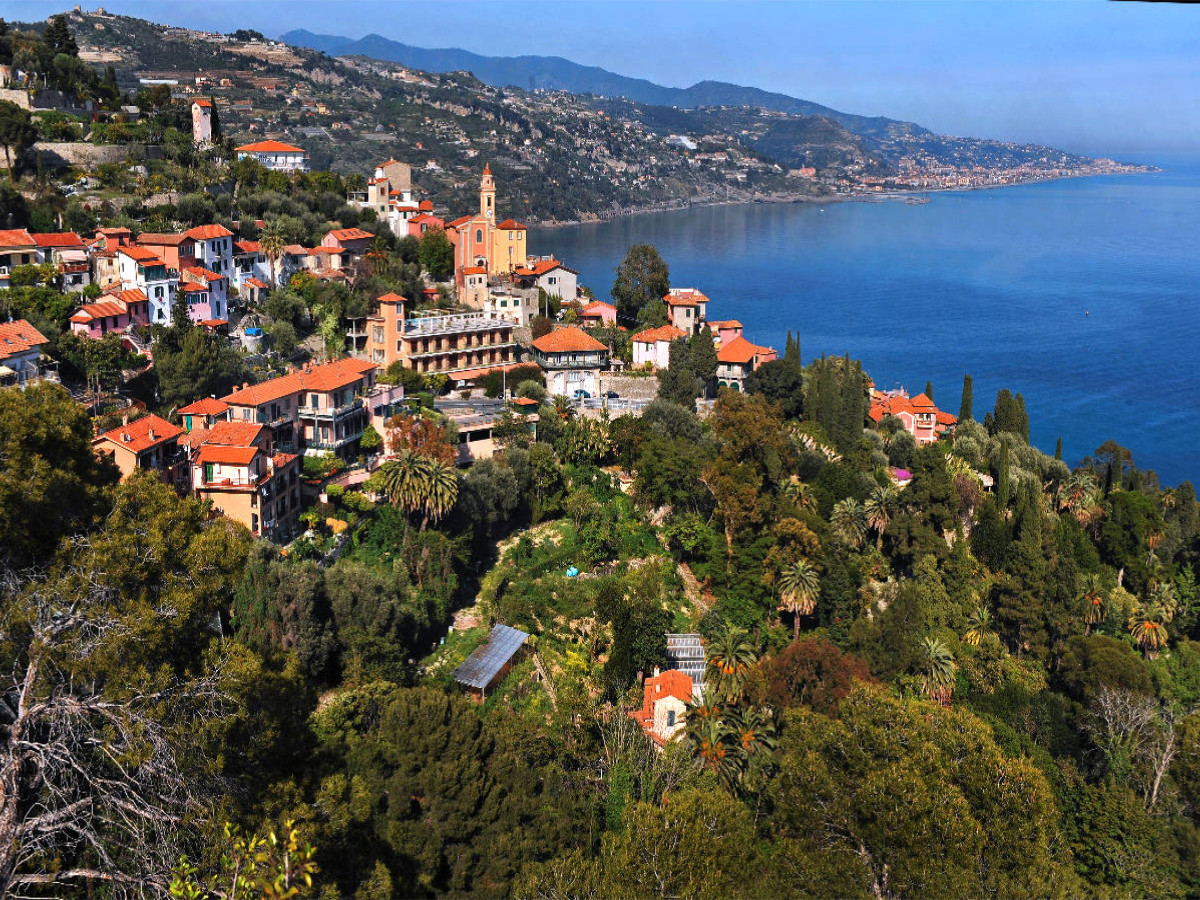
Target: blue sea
x=1083 y=295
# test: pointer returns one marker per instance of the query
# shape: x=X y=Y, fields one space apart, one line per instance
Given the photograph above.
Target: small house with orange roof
x=354 y=241
x=17 y=248
x=572 y=360
x=249 y=262
x=724 y=330
x=20 y=354
x=150 y=443
x=113 y=312
x=919 y=415
x=653 y=345
x=598 y=313
x=177 y=251
x=69 y=253
x=665 y=699
x=552 y=276
x=204 y=413
x=423 y=222
x=112 y=238
x=275 y=155
x=737 y=359
x=687 y=309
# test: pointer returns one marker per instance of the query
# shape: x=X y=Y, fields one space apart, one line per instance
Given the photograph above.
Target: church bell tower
x=487 y=195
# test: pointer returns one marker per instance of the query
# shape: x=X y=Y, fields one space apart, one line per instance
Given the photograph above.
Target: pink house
x=418 y=225
x=598 y=313
x=112 y=313
x=920 y=417
x=725 y=330
x=653 y=345
x=354 y=241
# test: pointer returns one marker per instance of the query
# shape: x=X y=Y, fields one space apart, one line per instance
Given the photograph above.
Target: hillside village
x=340 y=513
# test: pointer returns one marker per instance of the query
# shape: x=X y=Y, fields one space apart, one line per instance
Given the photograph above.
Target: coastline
x=923 y=194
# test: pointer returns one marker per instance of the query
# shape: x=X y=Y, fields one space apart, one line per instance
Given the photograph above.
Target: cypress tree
x=1058 y=448
x=216 y=120
x=929 y=389
x=1022 y=417
x=1002 y=483
x=968 y=400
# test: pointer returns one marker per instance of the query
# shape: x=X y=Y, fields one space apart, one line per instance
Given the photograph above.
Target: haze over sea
x=1083 y=295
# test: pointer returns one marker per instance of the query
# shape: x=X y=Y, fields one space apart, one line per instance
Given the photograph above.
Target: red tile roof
x=100 y=310
x=511 y=225
x=599 y=306
x=719 y=324
x=199 y=272
x=58 y=239
x=155 y=239
x=671 y=683
x=206 y=406
x=230 y=456
x=247 y=246
x=739 y=350
x=661 y=333
x=684 y=297
x=16 y=237
x=130 y=297
x=202 y=103
x=269 y=147
x=18 y=337
x=425 y=206
x=138 y=433
x=568 y=340
x=922 y=402
x=233 y=433
x=327 y=377
x=256 y=283
x=390 y=297
x=474 y=270
x=350 y=234
x=282 y=459
x=191 y=287
x=459 y=222
x=141 y=255
x=945 y=418
x=208 y=232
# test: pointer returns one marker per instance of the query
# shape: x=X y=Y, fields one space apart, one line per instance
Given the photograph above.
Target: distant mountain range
x=556 y=73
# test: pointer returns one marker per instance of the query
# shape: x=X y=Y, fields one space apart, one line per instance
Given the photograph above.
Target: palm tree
x=730 y=659
x=440 y=490
x=405 y=480
x=271 y=241
x=799 y=587
x=979 y=625
x=1146 y=626
x=712 y=741
x=849 y=521
x=1093 y=600
x=880 y=507
x=797 y=491
x=752 y=730
x=939 y=670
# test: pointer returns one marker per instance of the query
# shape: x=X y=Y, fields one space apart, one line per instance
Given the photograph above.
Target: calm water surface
x=1082 y=295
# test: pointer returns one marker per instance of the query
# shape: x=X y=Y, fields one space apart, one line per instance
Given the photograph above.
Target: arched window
x=479 y=235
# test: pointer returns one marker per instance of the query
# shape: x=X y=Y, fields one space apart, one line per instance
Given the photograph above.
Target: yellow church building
x=482 y=243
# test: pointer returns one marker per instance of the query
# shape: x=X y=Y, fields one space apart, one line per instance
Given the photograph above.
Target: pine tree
x=702 y=354
x=216 y=121
x=929 y=389
x=180 y=311
x=968 y=400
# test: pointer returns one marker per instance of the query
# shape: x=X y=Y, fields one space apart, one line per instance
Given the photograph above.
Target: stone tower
x=487 y=195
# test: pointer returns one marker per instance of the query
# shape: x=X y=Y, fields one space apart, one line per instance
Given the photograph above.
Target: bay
x=1080 y=294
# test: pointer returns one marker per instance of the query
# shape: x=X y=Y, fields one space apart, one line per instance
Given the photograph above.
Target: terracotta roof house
x=665 y=699
x=17 y=248
x=148 y=443
x=275 y=155
x=920 y=417
x=686 y=309
x=598 y=313
x=653 y=345
x=737 y=359
x=572 y=360
x=204 y=413
x=21 y=354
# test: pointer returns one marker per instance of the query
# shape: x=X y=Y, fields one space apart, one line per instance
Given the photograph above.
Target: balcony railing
x=330 y=412
x=319 y=444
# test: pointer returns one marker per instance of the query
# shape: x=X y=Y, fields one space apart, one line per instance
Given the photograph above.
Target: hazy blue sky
x=1091 y=76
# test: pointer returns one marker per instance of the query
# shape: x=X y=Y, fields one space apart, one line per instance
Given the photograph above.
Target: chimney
x=125 y=421
x=245 y=384
x=656 y=671
x=151 y=434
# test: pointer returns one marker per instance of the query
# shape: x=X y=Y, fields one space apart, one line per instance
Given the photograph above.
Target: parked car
x=581 y=394
x=611 y=395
